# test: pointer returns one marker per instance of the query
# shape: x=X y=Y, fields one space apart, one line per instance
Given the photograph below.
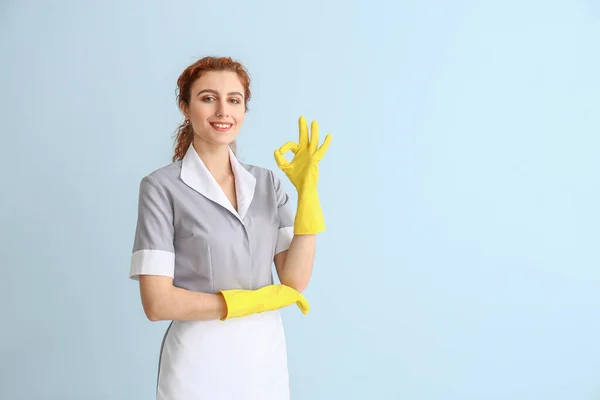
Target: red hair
x=184 y=134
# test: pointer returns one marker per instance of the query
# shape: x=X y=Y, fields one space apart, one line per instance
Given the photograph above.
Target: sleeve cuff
x=284 y=238
x=152 y=262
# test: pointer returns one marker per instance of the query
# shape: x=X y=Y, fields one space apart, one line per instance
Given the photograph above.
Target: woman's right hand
x=241 y=303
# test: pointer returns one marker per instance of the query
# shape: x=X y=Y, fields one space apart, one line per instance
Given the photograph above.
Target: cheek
x=201 y=111
x=239 y=117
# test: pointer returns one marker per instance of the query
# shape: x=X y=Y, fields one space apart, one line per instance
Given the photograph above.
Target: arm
x=153 y=263
x=163 y=302
x=294 y=266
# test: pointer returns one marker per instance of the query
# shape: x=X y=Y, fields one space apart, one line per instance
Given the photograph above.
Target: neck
x=215 y=158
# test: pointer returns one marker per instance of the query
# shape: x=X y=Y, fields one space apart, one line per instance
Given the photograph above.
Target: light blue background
x=461 y=189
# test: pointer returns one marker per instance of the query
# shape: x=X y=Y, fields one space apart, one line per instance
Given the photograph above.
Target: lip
x=221 y=122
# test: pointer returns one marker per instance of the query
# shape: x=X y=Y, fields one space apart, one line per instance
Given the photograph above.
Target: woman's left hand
x=303 y=172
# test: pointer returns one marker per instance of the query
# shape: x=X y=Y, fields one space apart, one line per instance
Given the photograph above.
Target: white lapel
x=245 y=183
x=195 y=174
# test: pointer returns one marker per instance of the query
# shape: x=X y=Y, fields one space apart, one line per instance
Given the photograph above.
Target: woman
x=209 y=229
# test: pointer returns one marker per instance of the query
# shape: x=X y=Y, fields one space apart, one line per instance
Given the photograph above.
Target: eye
x=235 y=101
x=208 y=98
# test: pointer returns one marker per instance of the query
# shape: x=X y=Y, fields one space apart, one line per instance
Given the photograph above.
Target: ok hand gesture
x=303 y=172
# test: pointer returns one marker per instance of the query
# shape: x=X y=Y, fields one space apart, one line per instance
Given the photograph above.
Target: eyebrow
x=217 y=93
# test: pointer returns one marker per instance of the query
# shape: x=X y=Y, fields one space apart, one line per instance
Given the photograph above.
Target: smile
x=221 y=127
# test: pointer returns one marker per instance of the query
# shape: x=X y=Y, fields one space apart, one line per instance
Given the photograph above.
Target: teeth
x=222 y=126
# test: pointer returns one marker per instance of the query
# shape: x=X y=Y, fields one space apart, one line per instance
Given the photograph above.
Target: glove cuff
x=239 y=303
x=309 y=218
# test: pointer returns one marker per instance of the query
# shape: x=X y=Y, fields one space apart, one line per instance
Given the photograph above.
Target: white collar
x=195 y=174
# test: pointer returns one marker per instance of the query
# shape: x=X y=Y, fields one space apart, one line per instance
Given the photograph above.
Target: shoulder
x=266 y=178
x=163 y=176
x=261 y=174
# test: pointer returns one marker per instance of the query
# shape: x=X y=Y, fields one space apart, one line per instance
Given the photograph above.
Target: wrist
x=309 y=216
x=220 y=306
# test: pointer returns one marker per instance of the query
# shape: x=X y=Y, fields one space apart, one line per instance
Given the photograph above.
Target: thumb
x=280 y=159
x=303 y=304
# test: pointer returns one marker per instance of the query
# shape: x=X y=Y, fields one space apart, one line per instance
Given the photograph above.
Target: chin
x=223 y=140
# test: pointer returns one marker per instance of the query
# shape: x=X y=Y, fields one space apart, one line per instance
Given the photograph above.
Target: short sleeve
x=153 y=252
x=285 y=215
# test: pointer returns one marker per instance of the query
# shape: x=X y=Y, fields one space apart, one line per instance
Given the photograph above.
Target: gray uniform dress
x=188 y=230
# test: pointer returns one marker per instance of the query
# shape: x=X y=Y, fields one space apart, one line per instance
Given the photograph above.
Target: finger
x=281 y=161
x=314 y=137
x=302 y=132
x=279 y=154
x=323 y=149
x=303 y=305
x=289 y=146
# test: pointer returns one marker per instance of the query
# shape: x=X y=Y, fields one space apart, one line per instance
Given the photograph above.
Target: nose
x=222 y=109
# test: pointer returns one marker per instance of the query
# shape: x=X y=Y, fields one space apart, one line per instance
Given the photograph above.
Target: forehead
x=221 y=81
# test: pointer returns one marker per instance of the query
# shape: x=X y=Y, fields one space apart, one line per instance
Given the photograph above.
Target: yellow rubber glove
x=303 y=172
x=241 y=303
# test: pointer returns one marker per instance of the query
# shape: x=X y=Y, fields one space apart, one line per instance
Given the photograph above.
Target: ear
x=184 y=109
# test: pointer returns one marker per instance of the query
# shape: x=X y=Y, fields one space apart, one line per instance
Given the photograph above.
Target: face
x=216 y=107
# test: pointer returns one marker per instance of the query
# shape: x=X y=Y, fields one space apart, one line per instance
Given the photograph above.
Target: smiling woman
x=195 y=81
x=209 y=230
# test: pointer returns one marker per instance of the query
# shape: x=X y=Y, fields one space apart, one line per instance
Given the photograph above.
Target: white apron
x=238 y=359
